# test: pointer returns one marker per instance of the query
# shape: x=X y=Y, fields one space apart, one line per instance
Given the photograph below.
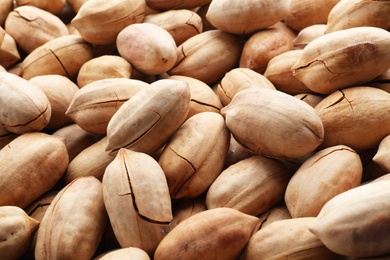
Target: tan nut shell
x=23 y=106
x=94 y=105
x=25 y=21
x=238 y=79
x=6 y=7
x=236 y=152
x=221 y=50
x=246 y=16
x=54 y=57
x=321 y=177
x=137 y=200
x=355 y=222
x=8 y=50
x=219 y=234
x=76 y=214
x=343 y=58
x=187 y=208
x=382 y=157
x=252 y=186
x=30 y=166
x=354 y=13
x=356 y=117
x=190 y=170
x=162 y=5
x=308 y=34
x=52 y=6
x=310 y=98
x=100 y=21
x=272 y=123
x=296 y=242
x=145 y=122
x=276 y=213
x=181 y=24
x=127 y=253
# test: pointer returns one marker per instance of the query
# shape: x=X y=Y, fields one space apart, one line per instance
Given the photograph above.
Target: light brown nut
x=137 y=200
x=23 y=106
x=245 y=16
x=52 y=6
x=16 y=231
x=100 y=21
x=382 y=81
x=321 y=177
x=6 y=7
x=276 y=213
x=127 y=253
x=252 y=186
x=75 y=5
x=30 y=166
x=38 y=208
x=202 y=11
x=103 y=67
x=236 y=152
x=6 y=136
x=287 y=239
x=203 y=98
x=304 y=13
x=354 y=13
x=310 y=98
x=220 y=233
x=263 y=45
x=272 y=123
x=25 y=21
x=175 y=4
x=355 y=222
x=92 y=161
x=8 y=50
x=181 y=24
x=188 y=169
x=356 y=117
x=53 y=57
x=308 y=34
x=221 y=50
x=93 y=106
x=76 y=139
x=145 y=122
x=76 y=214
x=238 y=79
x=343 y=58
x=187 y=208
x=60 y=91
x=382 y=157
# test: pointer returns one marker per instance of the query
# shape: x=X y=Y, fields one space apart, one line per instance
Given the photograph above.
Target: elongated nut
x=76 y=214
x=127 y=253
x=272 y=123
x=187 y=208
x=175 y=4
x=8 y=50
x=5 y=8
x=220 y=233
x=137 y=200
x=52 y=6
x=23 y=106
x=308 y=34
x=381 y=157
x=276 y=213
x=145 y=122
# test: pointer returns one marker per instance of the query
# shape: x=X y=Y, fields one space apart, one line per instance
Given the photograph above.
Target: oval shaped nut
x=303 y=13
x=23 y=106
x=60 y=91
x=343 y=58
x=93 y=106
x=382 y=81
x=279 y=72
x=30 y=166
x=16 y=231
x=307 y=35
x=53 y=57
x=38 y=208
x=175 y=4
x=252 y=186
x=52 y=6
x=274 y=124
x=76 y=214
x=99 y=21
x=245 y=16
x=287 y=239
x=91 y=161
x=137 y=200
x=356 y=117
x=75 y=5
x=127 y=253
x=236 y=153
x=145 y=122
x=310 y=98
x=103 y=67
x=238 y=79
x=6 y=136
x=381 y=157
x=263 y=45
x=348 y=14
x=221 y=50
x=25 y=21
x=181 y=24
x=276 y=213
x=220 y=233
x=203 y=98
x=8 y=50
x=321 y=177
x=5 y=8
x=353 y=222
x=190 y=171
x=149 y=48
x=187 y=208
